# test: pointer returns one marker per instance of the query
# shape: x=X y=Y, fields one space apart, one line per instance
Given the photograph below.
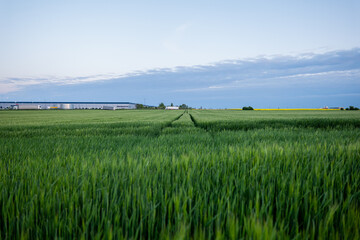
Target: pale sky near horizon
x=71 y=39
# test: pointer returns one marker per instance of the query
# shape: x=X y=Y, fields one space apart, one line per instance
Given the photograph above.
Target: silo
x=66 y=106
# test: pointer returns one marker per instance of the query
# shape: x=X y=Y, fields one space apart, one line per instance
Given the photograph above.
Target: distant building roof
x=69 y=102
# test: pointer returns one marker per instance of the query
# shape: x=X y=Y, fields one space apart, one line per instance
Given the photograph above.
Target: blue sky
x=216 y=54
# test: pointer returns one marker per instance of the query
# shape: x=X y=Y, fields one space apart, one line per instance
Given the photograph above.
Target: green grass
x=178 y=175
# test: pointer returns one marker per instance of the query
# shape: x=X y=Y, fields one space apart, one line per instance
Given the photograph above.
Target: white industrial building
x=67 y=105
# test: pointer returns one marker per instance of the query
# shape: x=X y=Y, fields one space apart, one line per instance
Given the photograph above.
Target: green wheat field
x=197 y=174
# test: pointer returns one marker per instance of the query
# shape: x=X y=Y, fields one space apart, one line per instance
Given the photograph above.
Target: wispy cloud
x=8 y=87
x=330 y=95
x=12 y=84
x=172 y=41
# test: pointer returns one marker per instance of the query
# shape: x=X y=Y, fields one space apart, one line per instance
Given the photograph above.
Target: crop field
x=197 y=174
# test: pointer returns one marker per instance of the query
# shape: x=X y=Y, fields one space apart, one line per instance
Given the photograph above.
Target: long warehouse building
x=67 y=105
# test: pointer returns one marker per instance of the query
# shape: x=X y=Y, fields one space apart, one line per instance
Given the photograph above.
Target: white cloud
x=16 y=83
x=327 y=73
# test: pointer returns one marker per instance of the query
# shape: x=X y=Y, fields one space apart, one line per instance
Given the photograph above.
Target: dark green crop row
x=279 y=123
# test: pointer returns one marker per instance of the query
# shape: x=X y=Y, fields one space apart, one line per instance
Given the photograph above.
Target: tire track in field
x=194 y=121
x=183 y=124
x=212 y=133
x=168 y=125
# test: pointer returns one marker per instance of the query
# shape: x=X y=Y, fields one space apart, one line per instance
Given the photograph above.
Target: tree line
x=161 y=106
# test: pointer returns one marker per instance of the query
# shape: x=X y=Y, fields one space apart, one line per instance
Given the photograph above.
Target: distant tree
x=161 y=106
x=183 y=106
x=139 y=106
x=172 y=104
x=352 y=108
x=247 y=108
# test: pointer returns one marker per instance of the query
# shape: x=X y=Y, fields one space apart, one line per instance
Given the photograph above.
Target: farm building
x=172 y=108
x=67 y=105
